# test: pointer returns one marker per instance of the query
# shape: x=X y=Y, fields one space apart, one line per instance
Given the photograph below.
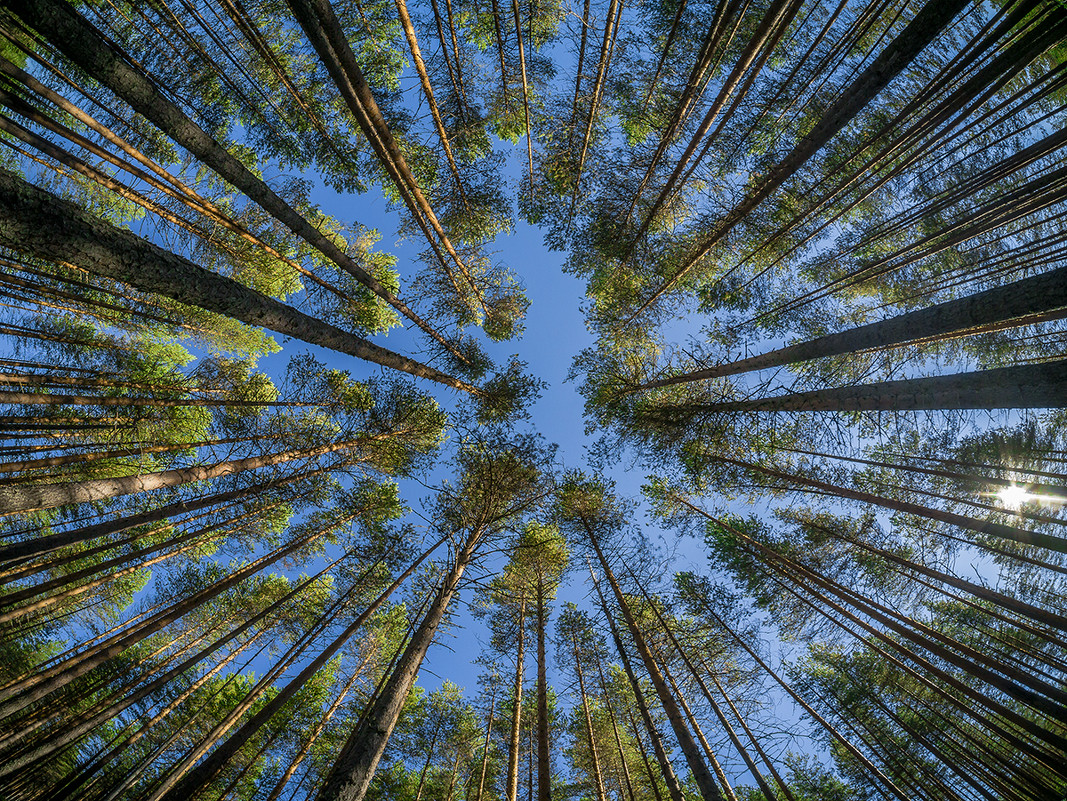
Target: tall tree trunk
x=79 y=41
x=544 y=764
x=1005 y=306
x=708 y=790
x=669 y=777
x=511 y=792
x=924 y=27
x=598 y=777
x=352 y=771
x=1028 y=386
x=34 y=497
x=43 y=225
x=207 y=770
x=485 y=748
x=52 y=542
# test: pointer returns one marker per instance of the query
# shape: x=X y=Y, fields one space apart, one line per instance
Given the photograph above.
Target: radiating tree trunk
x=924 y=27
x=598 y=777
x=690 y=749
x=34 y=497
x=50 y=228
x=83 y=44
x=1005 y=306
x=352 y=771
x=1028 y=386
x=208 y=769
x=669 y=777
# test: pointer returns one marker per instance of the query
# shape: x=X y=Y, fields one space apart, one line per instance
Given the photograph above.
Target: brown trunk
x=50 y=228
x=511 y=792
x=351 y=774
x=598 y=778
x=32 y=498
x=84 y=45
x=544 y=763
x=701 y=774
x=669 y=777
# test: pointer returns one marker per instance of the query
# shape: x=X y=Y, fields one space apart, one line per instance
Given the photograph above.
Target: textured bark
x=42 y=545
x=1028 y=386
x=83 y=44
x=40 y=224
x=1002 y=307
x=708 y=790
x=544 y=763
x=974 y=524
x=674 y=788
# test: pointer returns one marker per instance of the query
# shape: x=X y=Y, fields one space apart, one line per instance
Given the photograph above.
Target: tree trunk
x=598 y=778
x=669 y=777
x=351 y=774
x=83 y=44
x=544 y=764
x=207 y=770
x=924 y=27
x=1002 y=307
x=53 y=229
x=485 y=747
x=34 y=497
x=1029 y=386
x=690 y=749
x=52 y=542
x=511 y=792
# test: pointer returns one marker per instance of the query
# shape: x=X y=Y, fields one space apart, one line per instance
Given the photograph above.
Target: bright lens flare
x=1013 y=497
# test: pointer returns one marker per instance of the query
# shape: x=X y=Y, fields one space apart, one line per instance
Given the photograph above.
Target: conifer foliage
x=824 y=249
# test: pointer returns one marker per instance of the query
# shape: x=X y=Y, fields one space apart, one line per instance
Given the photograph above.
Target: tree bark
x=34 y=497
x=79 y=41
x=45 y=226
x=207 y=770
x=544 y=764
x=1029 y=386
x=352 y=771
x=511 y=792
x=1002 y=307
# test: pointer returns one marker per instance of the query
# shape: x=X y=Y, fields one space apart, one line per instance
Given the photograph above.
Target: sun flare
x=1013 y=497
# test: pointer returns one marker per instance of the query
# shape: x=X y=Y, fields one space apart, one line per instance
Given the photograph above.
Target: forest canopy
x=282 y=517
